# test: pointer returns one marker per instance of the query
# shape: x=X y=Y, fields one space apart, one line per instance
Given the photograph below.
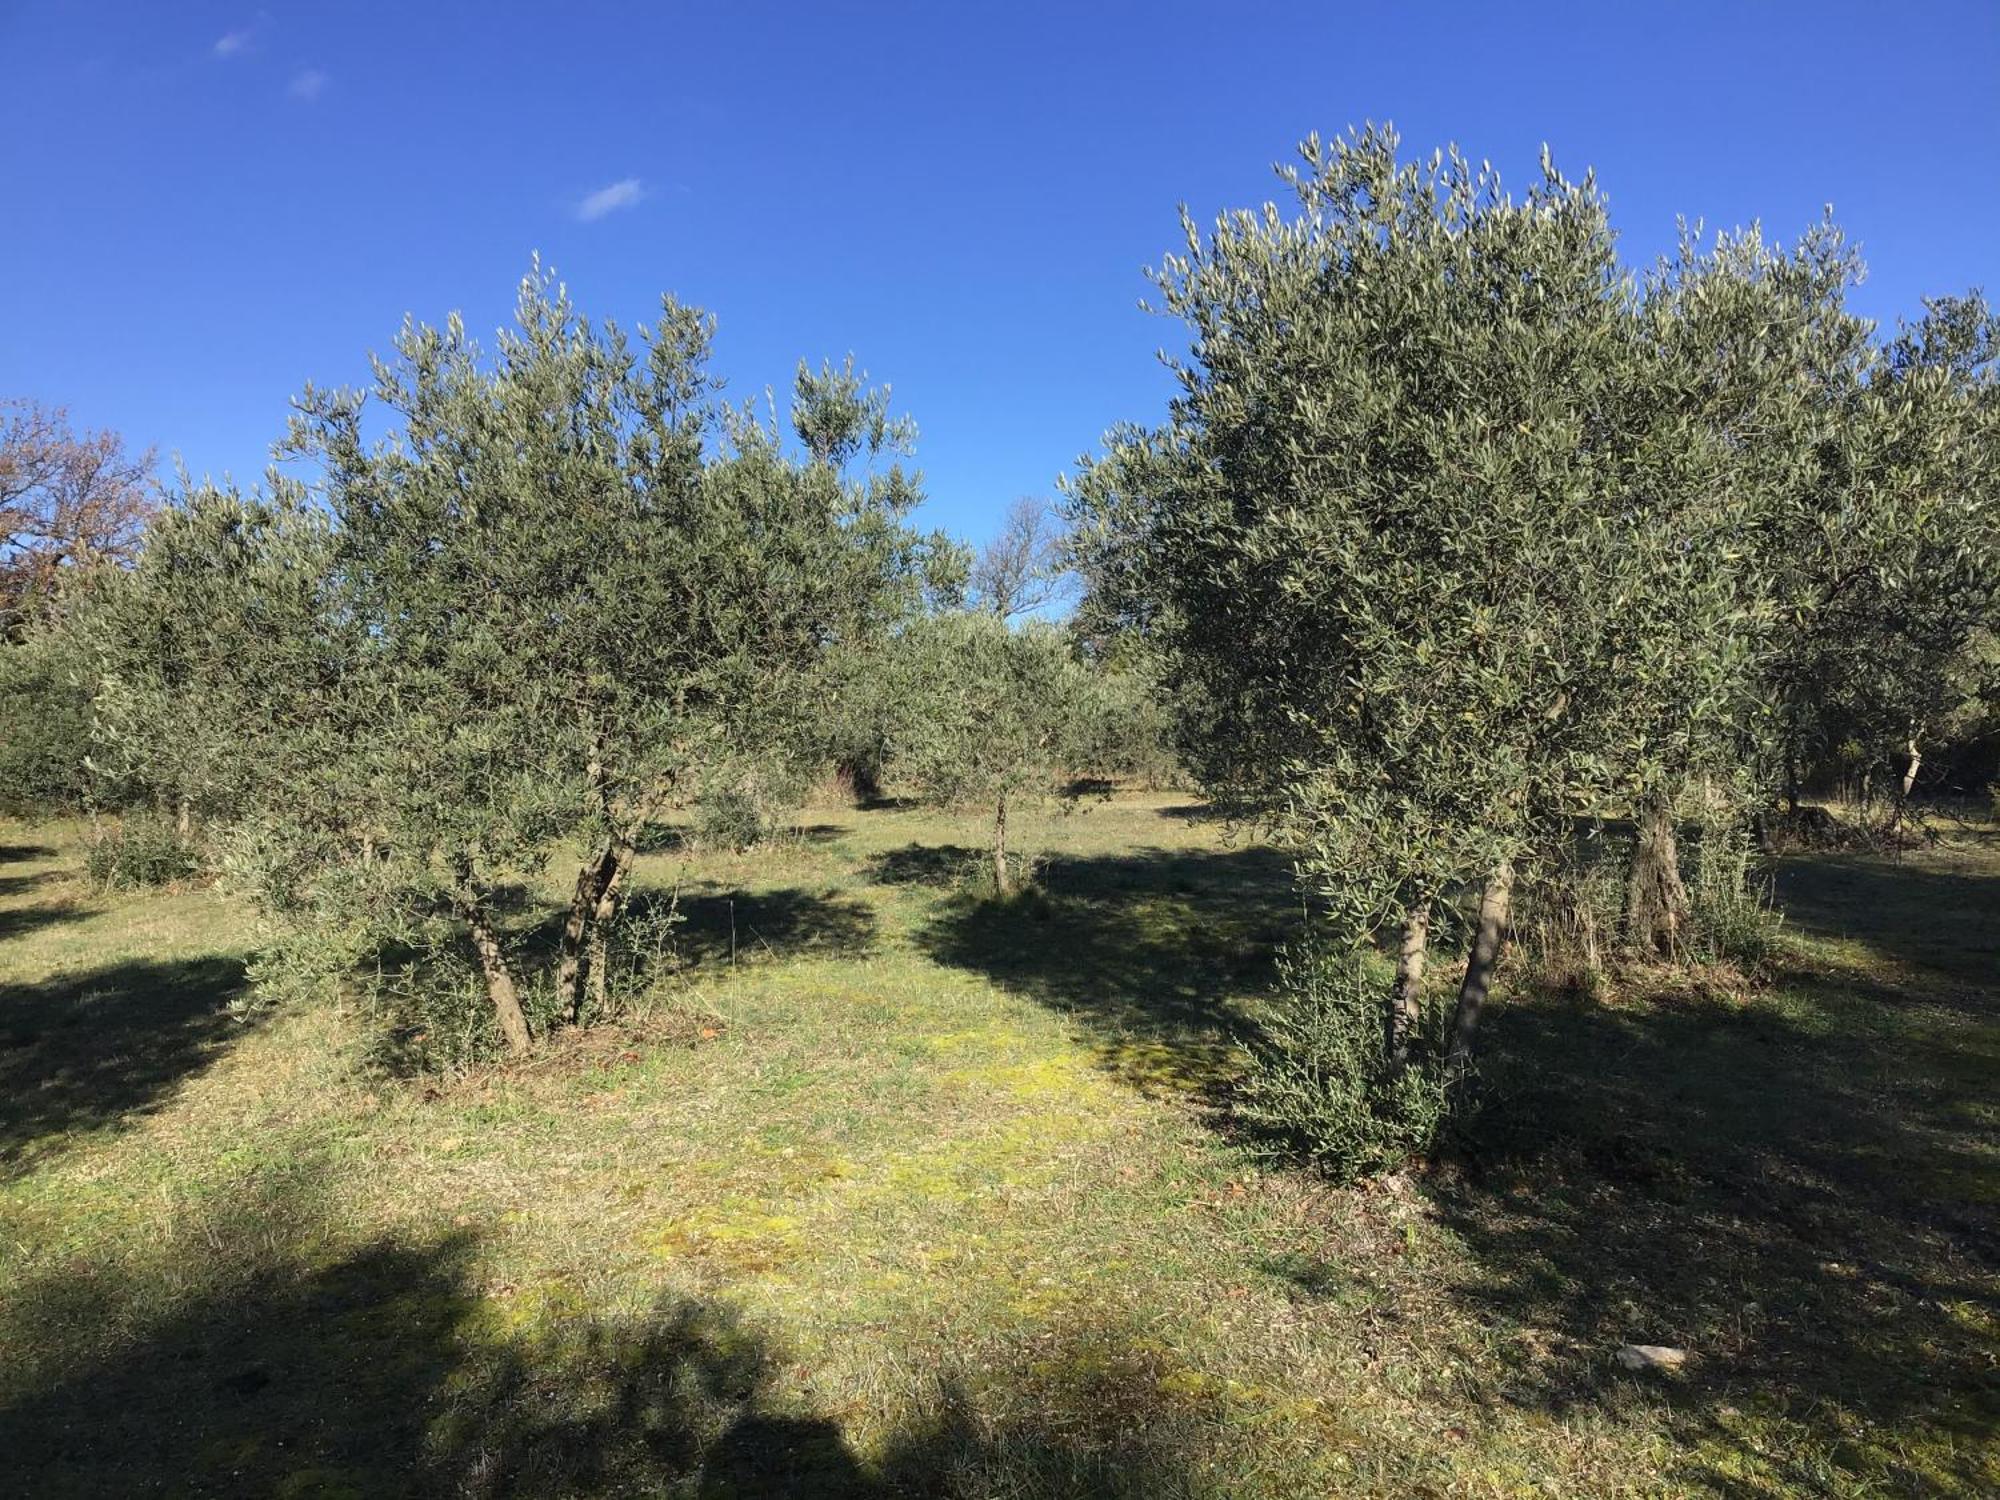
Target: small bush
x=430 y=1009
x=731 y=817
x=1730 y=909
x=1319 y=1086
x=640 y=954
x=745 y=805
x=142 y=853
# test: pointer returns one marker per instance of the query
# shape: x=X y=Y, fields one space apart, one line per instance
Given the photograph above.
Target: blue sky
x=202 y=206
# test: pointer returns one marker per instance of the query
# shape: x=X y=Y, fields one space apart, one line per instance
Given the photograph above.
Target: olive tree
x=1887 y=563
x=1437 y=547
x=990 y=716
x=215 y=665
x=563 y=582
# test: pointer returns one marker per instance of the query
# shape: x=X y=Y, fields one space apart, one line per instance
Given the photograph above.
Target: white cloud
x=608 y=200
x=231 y=43
x=308 y=85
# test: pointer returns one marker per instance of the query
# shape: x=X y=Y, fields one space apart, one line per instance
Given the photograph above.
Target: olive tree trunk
x=1487 y=935
x=500 y=987
x=1404 y=1012
x=597 y=966
x=1656 y=900
x=594 y=881
x=1914 y=764
x=1002 y=877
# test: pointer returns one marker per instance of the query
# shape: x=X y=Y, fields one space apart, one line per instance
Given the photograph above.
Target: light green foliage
x=555 y=593
x=218 y=667
x=1886 y=562
x=1432 y=542
x=1452 y=535
x=143 y=850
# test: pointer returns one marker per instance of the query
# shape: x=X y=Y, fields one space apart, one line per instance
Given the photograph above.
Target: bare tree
x=1024 y=568
x=67 y=500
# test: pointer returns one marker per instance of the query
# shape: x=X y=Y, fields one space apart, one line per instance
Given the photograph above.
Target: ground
x=900 y=1192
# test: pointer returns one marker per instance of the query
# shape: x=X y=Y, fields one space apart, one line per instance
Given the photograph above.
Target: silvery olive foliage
x=529 y=602
x=1458 y=533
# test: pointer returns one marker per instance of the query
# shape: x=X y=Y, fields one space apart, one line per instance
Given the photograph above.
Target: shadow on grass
x=724 y=927
x=1154 y=951
x=18 y=921
x=1800 y=1190
x=720 y=927
x=251 y=1360
x=928 y=864
x=89 y=1049
x=1943 y=920
x=674 y=838
x=1203 y=812
x=17 y=885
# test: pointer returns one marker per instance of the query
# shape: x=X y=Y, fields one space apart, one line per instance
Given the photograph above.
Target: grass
x=928 y=1199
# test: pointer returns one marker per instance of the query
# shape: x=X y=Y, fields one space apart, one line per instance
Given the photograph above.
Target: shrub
x=428 y=1000
x=431 y=1013
x=1730 y=911
x=1320 y=1087
x=142 y=852
x=731 y=817
x=639 y=953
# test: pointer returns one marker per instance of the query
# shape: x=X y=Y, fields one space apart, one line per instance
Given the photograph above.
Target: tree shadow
x=1202 y=812
x=719 y=927
x=18 y=921
x=1800 y=1192
x=17 y=885
x=927 y=864
x=15 y=854
x=90 y=1049
x=676 y=838
x=1156 y=952
x=1945 y=921
x=247 y=1359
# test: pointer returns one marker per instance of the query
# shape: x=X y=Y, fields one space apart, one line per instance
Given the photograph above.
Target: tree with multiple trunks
x=1439 y=546
x=559 y=585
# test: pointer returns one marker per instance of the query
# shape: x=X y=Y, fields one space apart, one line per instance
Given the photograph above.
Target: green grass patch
x=911 y=1193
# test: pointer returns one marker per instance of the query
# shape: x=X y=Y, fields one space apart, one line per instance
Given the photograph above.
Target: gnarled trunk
x=1656 y=900
x=1002 y=881
x=500 y=987
x=1487 y=935
x=1404 y=1011
x=596 y=968
x=593 y=899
